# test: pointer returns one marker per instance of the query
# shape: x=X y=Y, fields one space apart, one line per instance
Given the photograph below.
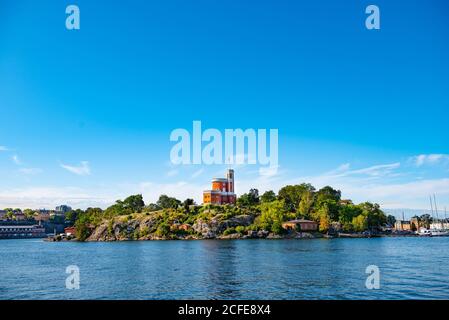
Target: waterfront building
x=414 y=224
x=439 y=225
x=70 y=231
x=222 y=191
x=21 y=231
x=402 y=225
x=300 y=225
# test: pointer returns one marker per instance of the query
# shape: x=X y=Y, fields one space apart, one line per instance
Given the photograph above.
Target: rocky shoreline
x=144 y=229
x=197 y=223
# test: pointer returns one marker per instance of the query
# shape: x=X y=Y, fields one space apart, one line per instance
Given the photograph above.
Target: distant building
x=62 y=209
x=414 y=224
x=70 y=231
x=21 y=231
x=222 y=191
x=439 y=225
x=300 y=225
x=45 y=216
x=19 y=216
x=402 y=225
x=2 y=215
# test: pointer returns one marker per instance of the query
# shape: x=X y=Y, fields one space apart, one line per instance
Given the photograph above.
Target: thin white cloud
x=82 y=170
x=50 y=197
x=172 y=173
x=429 y=159
x=379 y=184
x=373 y=171
x=30 y=171
x=197 y=173
x=3 y=148
x=270 y=171
x=16 y=160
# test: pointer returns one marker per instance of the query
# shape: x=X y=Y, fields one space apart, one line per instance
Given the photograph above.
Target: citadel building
x=222 y=191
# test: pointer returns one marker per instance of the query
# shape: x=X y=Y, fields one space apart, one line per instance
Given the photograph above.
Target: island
x=296 y=211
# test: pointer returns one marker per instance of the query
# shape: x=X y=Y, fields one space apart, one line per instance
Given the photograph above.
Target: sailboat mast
x=445 y=219
x=436 y=209
x=431 y=206
x=431 y=210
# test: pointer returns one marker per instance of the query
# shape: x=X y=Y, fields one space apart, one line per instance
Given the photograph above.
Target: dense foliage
x=269 y=211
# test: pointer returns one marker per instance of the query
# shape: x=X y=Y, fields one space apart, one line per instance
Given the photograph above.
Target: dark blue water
x=410 y=268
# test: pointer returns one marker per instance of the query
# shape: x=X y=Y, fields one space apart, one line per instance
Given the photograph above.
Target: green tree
x=391 y=220
x=166 y=202
x=268 y=196
x=328 y=193
x=333 y=208
x=348 y=212
x=29 y=214
x=72 y=215
x=272 y=215
x=426 y=220
x=360 y=223
x=187 y=203
x=82 y=227
x=323 y=218
x=292 y=195
x=9 y=213
x=306 y=203
x=116 y=209
x=134 y=203
x=249 y=199
x=373 y=213
x=276 y=227
x=153 y=207
x=57 y=219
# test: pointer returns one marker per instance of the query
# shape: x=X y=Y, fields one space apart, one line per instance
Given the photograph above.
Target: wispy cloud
x=82 y=170
x=392 y=185
x=270 y=171
x=377 y=170
x=429 y=159
x=172 y=173
x=197 y=173
x=380 y=170
x=382 y=183
x=16 y=160
x=30 y=171
x=3 y=148
x=51 y=196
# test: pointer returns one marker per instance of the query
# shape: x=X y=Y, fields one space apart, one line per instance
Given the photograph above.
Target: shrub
x=229 y=230
x=240 y=229
x=163 y=230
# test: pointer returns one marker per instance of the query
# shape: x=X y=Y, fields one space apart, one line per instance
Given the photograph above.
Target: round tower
x=230 y=177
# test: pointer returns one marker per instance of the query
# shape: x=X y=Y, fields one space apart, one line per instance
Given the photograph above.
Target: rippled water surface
x=411 y=268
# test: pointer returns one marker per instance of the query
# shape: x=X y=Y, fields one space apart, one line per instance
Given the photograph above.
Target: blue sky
x=87 y=114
